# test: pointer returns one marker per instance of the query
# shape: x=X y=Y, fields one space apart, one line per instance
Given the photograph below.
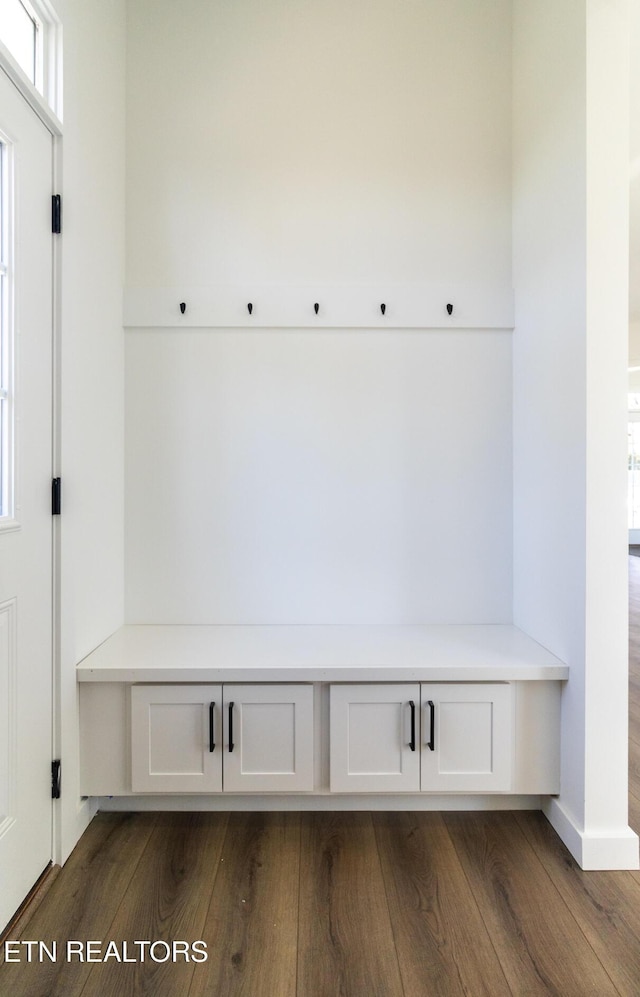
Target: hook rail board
x=318 y=306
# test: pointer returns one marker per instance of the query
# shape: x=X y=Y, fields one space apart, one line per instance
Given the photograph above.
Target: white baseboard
x=610 y=849
x=68 y=833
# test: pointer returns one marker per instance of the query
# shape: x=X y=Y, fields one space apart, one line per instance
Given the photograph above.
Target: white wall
x=549 y=224
x=298 y=476
x=92 y=365
x=318 y=477
x=571 y=93
x=317 y=140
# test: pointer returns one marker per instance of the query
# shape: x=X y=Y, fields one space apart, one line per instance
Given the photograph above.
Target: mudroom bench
x=308 y=715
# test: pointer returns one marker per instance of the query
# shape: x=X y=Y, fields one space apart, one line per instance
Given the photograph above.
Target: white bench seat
x=440 y=653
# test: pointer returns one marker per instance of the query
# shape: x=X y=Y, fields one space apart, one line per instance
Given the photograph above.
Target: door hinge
x=55 y=779
x=56 y=496
x=56 y=214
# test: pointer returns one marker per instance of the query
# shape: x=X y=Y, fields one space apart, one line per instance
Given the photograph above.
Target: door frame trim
x=33 y=97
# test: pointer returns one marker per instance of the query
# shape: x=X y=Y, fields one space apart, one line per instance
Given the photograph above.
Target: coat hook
x=250 y=308
x=316 y=308
x=449 y=309
x=183 y=307
x=383 y=308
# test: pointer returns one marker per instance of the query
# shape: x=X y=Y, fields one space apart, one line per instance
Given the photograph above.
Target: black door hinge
x=56 y=214
x=56 y=496
x=55 y=779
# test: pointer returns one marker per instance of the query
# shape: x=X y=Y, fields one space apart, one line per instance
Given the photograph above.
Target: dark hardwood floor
x=344 y=904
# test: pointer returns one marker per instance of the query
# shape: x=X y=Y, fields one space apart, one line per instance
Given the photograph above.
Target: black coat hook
x=383 y=308
x=183 y=307
x=449 y=309
x=316 y=308
x=249 y=308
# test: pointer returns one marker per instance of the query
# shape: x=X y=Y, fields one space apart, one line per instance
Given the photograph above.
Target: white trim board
x=610 y=848
x=35 y=99
x=340 y=306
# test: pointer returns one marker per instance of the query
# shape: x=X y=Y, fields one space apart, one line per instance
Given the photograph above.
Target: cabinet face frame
x=174 y=721
x=370 y=724
x=273 y=726
x=473 y=742
x=105 y=719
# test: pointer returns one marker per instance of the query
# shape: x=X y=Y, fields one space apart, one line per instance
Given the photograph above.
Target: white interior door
x=25 y=515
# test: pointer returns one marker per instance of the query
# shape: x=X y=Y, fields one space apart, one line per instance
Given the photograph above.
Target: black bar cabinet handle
x=412 y=742
x=212 y=738
x=431 y=744
x=231 y=726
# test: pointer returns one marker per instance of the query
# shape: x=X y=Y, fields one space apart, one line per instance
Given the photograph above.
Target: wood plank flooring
x=339 y=904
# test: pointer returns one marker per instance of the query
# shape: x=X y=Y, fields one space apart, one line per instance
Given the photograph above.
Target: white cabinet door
x=176 y=738
x=374 y=738
x=467 y=742
x=268 y=742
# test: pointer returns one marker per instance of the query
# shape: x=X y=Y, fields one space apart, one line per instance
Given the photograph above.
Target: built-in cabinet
x=441 y=737
x=217 y=712
x=215 y=738
x=383 y=737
